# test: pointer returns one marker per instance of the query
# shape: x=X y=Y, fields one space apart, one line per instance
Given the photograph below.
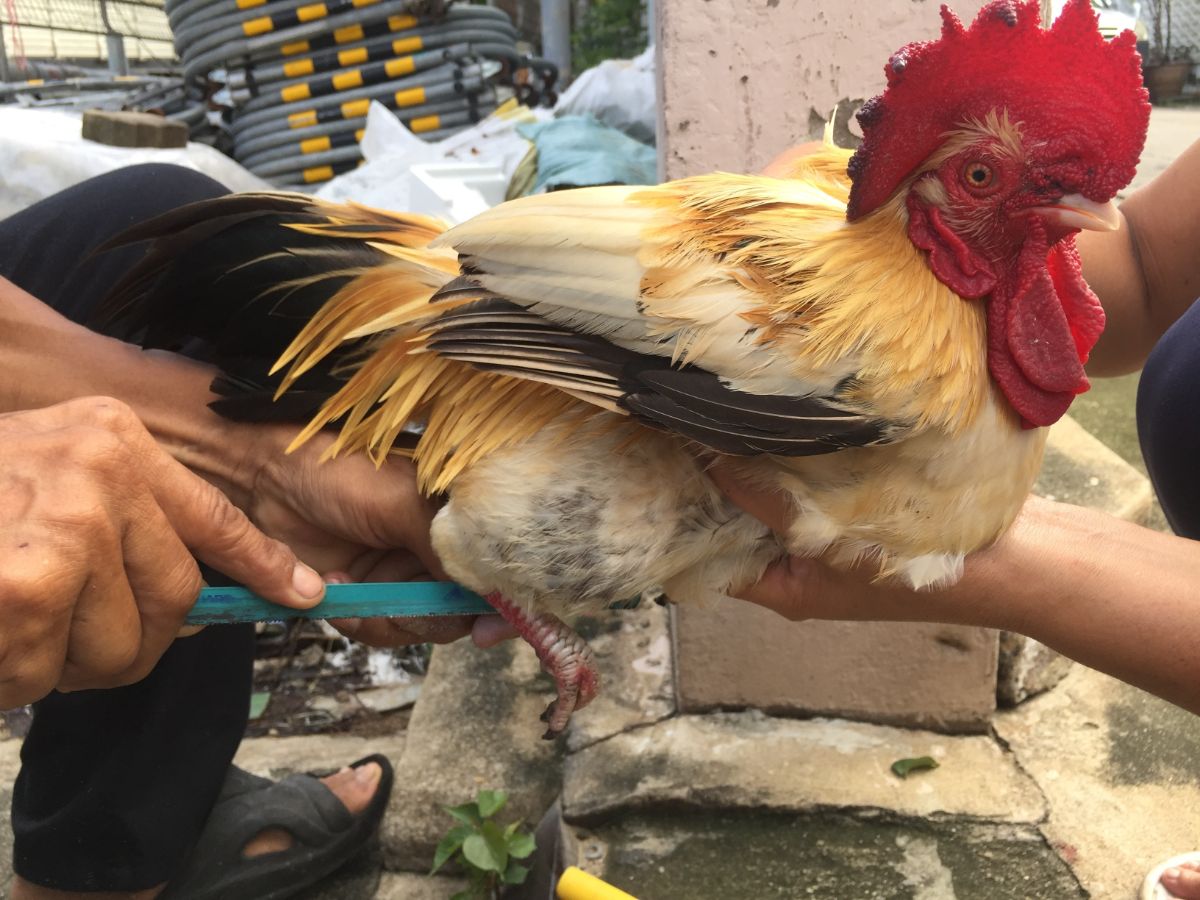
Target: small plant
x=489 y=851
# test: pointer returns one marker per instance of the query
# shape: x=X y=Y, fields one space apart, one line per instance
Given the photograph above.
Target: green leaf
x=515 y=873
x=902 y=767
x=449 y=845
x=258 y=703
x=468 y=894
x=521 y=845
x=512 y=829
x=490 y=802
x=467 y=813
x=484 y=854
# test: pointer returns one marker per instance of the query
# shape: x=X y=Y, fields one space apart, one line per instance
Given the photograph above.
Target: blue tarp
x=576 y=151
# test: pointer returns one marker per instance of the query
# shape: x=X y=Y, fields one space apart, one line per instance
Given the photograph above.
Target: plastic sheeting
x=618 y=92
x=401 y=170
x=43 y=152
x=577 y=151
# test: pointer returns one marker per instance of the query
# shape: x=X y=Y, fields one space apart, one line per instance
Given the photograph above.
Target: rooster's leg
x=563 y=653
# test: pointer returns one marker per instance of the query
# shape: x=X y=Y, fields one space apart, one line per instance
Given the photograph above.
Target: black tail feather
x=228 y=282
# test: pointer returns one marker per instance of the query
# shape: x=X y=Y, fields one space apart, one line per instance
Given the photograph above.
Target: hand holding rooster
x=349 y=520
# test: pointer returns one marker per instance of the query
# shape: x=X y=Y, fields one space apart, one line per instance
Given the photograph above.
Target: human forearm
x=46 y=359
x=1148 y=273
x=1116 y=597
x=1109 y=594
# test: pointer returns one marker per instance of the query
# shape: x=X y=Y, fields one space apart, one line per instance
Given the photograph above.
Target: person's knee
x=1168 y=427
x=149 y=189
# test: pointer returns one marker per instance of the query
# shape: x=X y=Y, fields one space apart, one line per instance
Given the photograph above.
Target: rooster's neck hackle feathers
x=1063 y=84
x=825 y=291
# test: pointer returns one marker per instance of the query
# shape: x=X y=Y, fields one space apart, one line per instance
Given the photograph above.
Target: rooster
x=883 y=337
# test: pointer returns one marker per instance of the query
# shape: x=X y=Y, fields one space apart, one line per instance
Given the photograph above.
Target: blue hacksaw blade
x=226 y=605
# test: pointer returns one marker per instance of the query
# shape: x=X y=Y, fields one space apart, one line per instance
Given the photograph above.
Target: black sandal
x=326 y=836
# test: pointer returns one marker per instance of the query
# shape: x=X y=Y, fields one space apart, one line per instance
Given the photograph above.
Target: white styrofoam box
x=457 y=191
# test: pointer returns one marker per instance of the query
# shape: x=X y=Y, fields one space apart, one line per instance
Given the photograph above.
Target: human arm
x=1111 y=595
x=98 y=525
x=1148 y=273
x=342 y=516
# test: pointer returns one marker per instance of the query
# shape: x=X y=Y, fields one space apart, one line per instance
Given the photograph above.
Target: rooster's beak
x=1075 y=211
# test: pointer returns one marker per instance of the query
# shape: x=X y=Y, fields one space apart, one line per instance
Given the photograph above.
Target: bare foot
x=354 y=787
x=1183 y=881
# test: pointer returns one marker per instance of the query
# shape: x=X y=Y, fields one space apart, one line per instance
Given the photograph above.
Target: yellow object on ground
x=576 y=884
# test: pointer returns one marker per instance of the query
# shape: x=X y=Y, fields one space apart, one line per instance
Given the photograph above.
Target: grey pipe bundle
x=298 y=76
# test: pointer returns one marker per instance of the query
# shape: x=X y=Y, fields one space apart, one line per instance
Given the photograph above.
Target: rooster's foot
x=563 y=654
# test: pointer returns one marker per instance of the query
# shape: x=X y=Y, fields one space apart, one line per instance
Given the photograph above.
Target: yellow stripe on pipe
x=315 y=145
x=576 y=884
x=295 y=92
x=348 y=35
x=298 y=67
x=318 y=173
x=309 y=13
x=302 y=119
x=411 y=97
x=293 y=48
x=347 y=80
x=406 y=45
x=261 y=25
x=397 y=67
x=401 y=23
x=359 y=4
x=352 y=109
x=352 y=57
x=425 y=123
x=249 y=4
x=358 y=134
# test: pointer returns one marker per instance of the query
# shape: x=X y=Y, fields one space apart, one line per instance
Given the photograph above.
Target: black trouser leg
x=1169 y=422
x=115 y=785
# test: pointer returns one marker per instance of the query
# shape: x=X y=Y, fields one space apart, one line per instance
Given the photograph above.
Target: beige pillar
x=740 y=81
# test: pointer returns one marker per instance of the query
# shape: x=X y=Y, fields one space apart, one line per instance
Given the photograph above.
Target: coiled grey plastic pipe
x=299 y=75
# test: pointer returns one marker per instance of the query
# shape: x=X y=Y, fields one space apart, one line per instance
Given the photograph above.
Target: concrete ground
x=1074 y=793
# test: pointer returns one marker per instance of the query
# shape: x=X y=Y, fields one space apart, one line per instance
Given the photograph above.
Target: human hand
x=98 y=527
x=350 y=520
x=806 y=588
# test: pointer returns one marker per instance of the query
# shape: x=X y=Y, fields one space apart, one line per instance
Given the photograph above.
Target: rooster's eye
x=977 y=175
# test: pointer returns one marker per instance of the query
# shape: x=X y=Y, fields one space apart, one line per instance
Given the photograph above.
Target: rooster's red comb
x=1065 y=84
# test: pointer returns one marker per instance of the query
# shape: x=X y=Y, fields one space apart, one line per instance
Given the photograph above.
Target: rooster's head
x=999 y=142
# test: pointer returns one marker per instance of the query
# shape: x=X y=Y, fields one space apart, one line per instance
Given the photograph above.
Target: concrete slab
x=665 y=855
x=1120 y=771
x=633 y=652
x=1078 y=468
x=277 y=757
x=475 y=727
x=10 y=764
x=749 y=760
x=408 y=886
x=6 y=841
x=903 y=673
